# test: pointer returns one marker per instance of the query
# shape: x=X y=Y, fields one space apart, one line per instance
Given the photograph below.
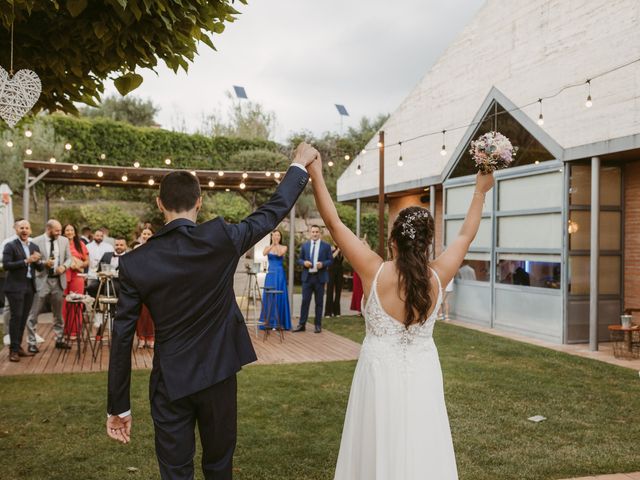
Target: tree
x=133 y=110
x=75 y=45
x=249 y=120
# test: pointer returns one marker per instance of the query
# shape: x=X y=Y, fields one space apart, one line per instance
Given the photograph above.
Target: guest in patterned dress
x=79 y=262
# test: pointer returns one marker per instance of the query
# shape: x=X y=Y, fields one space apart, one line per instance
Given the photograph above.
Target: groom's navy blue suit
x=184 y=275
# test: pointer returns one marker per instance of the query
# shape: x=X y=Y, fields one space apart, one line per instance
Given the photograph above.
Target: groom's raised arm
x=124 y=327
x=266 y=218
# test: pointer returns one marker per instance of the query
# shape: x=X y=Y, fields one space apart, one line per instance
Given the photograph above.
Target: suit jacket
x=324 y=255
x=184 y=275
x=13 y=262
x=62 y=244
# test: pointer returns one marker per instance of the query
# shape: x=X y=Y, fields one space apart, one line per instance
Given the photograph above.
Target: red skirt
x=356 y=296
x=144 y=327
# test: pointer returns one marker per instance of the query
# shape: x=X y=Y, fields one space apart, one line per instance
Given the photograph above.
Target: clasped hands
x=308 y=264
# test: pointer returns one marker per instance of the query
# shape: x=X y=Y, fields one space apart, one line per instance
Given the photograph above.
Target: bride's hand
x=484 y=182
x=315 y=167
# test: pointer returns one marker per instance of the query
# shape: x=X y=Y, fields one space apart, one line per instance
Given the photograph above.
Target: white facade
x=526 y=49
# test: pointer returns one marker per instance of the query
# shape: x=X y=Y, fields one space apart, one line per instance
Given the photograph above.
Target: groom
x=184 y=275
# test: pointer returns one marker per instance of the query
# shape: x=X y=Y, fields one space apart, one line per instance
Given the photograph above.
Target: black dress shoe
x=63 y=345
x=299 y=328
x=317 y=330
x=33 y=349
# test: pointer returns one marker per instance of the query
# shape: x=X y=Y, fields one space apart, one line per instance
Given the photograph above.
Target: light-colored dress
x=396 y=425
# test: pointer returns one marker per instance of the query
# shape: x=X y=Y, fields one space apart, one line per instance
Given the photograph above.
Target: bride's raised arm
x=364 y=260
x=449 y=261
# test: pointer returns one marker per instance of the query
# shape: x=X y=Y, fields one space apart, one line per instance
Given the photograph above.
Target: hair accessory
x=408 y=230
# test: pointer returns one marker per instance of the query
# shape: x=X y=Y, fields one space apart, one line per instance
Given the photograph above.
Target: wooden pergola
x=70 y=174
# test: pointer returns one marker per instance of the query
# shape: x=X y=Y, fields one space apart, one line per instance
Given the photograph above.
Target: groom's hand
x=119 y=428
x=305 y=154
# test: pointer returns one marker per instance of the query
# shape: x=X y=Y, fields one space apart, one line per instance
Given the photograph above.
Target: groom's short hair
x=179 y=191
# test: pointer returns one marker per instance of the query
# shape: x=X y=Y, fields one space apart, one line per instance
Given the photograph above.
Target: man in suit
x=51 y=282
x=315 y=257
x=21 y=259
x=113 y=259
x=184 y=275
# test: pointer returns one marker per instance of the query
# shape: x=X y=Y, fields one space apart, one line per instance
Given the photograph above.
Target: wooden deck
x=296 y=348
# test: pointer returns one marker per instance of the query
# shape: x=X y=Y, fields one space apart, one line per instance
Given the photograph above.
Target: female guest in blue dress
x=276 y=280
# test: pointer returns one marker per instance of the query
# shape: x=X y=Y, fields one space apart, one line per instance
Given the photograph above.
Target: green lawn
x=291 y=416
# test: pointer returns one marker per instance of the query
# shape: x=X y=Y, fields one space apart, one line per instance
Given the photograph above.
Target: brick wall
x=632 y=235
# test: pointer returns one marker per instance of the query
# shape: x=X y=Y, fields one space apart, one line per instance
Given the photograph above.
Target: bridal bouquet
x=492 y=151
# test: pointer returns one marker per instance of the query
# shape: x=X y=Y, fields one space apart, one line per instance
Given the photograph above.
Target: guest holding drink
x=79 y=261
x=276 y=280
x=145 y=328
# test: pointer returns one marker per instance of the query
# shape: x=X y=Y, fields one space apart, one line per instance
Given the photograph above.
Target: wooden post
x=381 y=197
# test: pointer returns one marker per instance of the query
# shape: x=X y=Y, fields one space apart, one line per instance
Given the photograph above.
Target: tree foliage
x=132 y=110
x=75 y=45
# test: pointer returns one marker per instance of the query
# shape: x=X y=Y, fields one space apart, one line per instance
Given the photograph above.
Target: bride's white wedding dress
x=396 y=425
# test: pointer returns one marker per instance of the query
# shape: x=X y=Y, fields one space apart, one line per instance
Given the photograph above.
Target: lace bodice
x=382 y=326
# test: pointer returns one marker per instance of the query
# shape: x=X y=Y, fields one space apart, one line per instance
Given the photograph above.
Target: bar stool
x=73 y=321
x=269 y=308
x=105 y=302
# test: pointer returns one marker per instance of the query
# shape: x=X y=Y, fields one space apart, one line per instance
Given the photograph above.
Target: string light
x=540 y=117
x=136 y=164
x=379 y=144
x=167 y=161
x=330 y=163
x=100 y=173
x=67 y=146
x=9 y=144
x=347 y=157
x=28 y=151
x=97 y=185
x=358 y=170
x=276 y=175
x=227 y=189
x=588 y=103
x=52 y=160
x=364 y=150
x=443 y=150
x=194 y=173
x=221 y=173
x=103 y=156
x=242 y=186
x=400 y=161
x=245 y=175
x=75 y=167
x=125 y=178
x=212 y=183
x=28 y=133
x=151 y=181
x=267 y=174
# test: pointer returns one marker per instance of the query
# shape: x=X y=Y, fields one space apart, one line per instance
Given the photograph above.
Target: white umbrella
x=6 y=212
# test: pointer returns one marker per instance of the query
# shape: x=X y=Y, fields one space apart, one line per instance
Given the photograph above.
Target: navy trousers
x=215 y=411
x=314 y=287
x=19 y=306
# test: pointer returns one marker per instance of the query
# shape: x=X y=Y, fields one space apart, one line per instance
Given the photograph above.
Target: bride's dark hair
x=412 y=233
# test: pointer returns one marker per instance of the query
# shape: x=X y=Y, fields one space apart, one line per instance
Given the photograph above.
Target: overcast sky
x=300 y=57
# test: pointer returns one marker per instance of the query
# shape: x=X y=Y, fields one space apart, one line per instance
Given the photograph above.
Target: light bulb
x=28 y=133
x=537 y=162
x=103 y=156
x=347 y=157
x=136 y=164
x=443 y=151
x=75 y=167
x=245 y=175
x=242 y=186
x=364 y=150
x=194 y=173
x=221 y=173
x=167 y=161
x=125 y=178
x=52 y=160
x=9 y=143
x=98 y=185
x=358 y=170
x=151 y=181
x=267 y=174
x=212 y=183
x=540 y=120
x=379 y=144
x=67 y=146
x=277 y=174
x=330 y=163
x=100 y=173
x=227 y=189
x=588 y=103
x=28 y=151
x=400 y=161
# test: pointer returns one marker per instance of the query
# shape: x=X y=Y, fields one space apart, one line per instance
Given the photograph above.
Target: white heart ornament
x=18 y=94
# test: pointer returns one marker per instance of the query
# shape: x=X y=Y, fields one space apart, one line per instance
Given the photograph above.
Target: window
x=609 y=270
x=530 y=231
x=542 y=271
x=610 y=186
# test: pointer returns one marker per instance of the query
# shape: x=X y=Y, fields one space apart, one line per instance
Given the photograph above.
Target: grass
x=290 y=416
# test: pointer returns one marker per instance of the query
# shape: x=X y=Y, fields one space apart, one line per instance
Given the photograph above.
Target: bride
x=396 y=425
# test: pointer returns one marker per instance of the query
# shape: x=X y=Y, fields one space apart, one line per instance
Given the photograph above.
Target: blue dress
x=276 y=280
